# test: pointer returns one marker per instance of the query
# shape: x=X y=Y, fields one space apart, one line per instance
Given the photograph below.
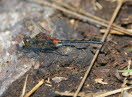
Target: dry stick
x=71 y=94
x=81 y=94
x=97 y=52
x=24 y=87
x=114 y=92
x=94 y=94
x=102 y=21
x=111 y=32
x=85 y=18
x=34 y=88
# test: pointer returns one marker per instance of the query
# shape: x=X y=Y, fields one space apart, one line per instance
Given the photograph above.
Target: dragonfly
x=44 y=42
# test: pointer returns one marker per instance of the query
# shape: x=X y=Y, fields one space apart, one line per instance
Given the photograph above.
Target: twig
x=34 y=88
x=101 y=21
x=71 y=94
x=111 y=32
x=97 y=52
x=82 y=17
x=114 y=92
x=24 y=87
x=81 y=94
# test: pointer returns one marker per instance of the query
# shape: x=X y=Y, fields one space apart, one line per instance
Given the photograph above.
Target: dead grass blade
x=34 y=88
x=79 y=16
x=81 y=94
x=114 y=92
x=100 y=20
x=24 y=87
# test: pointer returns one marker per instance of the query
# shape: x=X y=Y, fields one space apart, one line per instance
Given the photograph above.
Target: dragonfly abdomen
x=72 y=42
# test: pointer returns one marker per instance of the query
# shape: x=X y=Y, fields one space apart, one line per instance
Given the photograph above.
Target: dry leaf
x=100 y=80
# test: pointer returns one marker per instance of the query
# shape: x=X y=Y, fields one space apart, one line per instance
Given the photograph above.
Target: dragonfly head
x=26 y=40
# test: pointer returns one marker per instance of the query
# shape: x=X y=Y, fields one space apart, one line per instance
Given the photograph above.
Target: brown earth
x=115 y=54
